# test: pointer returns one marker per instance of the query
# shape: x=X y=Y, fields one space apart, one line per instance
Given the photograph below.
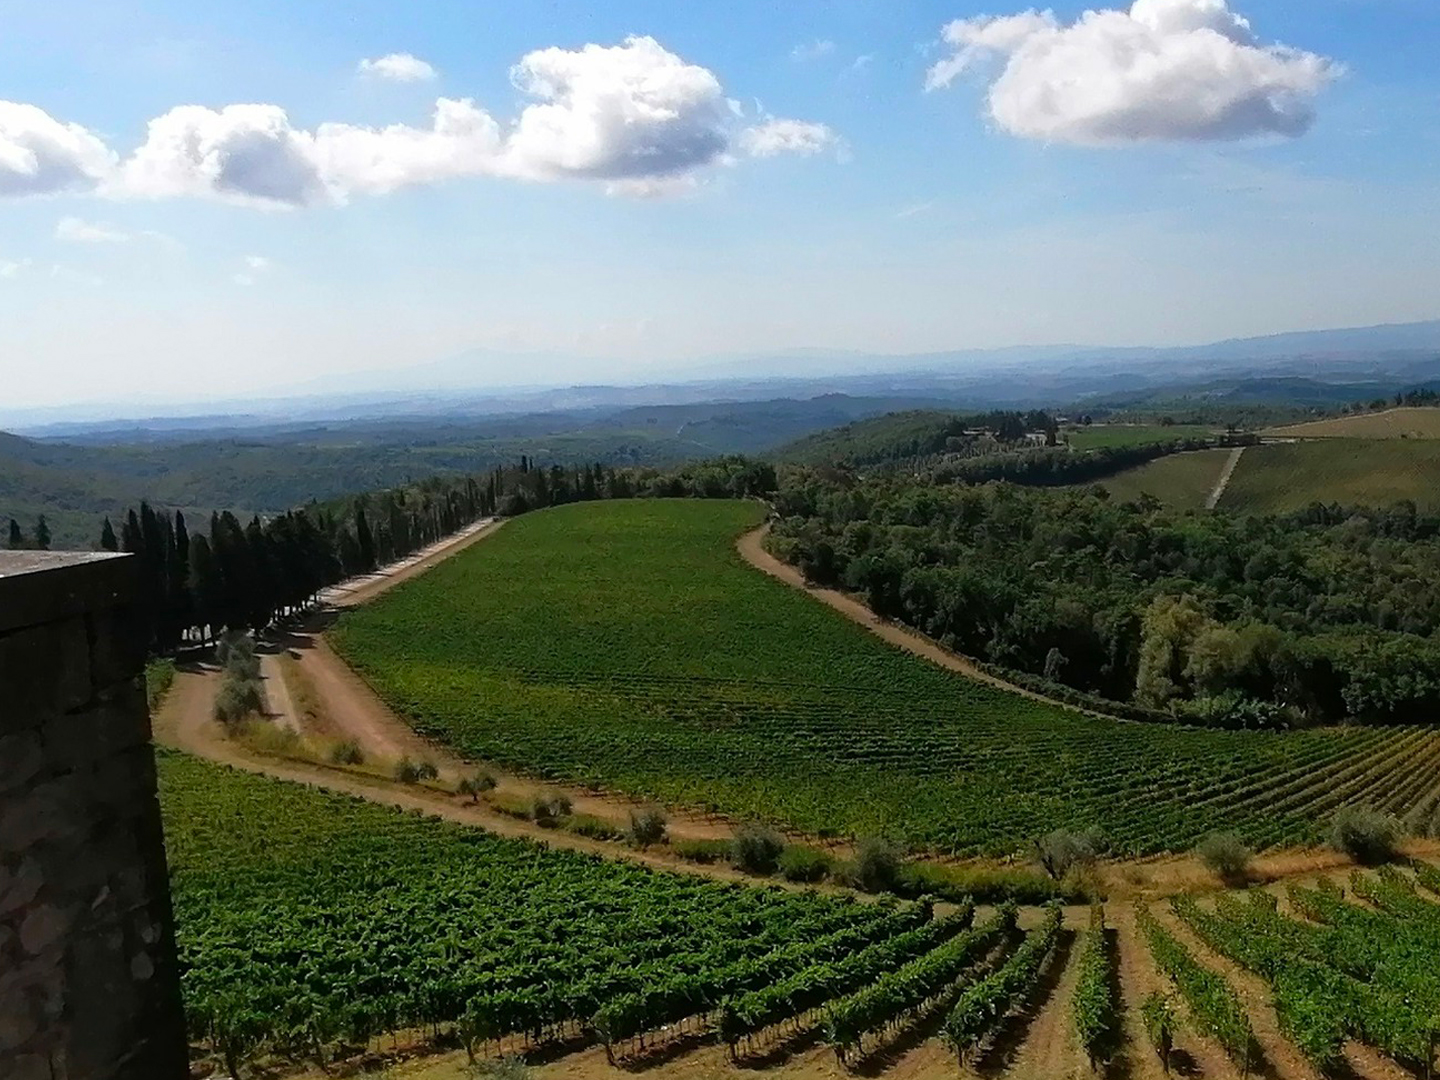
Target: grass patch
x=705 y=852
x=1110 y=436
x=1183 y=481
x=1283 y=477
x=159 y=678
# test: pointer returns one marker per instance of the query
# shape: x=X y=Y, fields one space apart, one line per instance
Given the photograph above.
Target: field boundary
x=1231 y=463
x=751 y=547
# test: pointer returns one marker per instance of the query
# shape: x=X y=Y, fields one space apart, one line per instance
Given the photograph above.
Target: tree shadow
x=999 y=1054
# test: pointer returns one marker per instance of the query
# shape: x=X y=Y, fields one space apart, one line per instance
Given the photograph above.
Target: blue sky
x=837 y=203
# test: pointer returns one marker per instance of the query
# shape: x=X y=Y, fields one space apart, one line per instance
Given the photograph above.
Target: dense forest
x=1327 y=615
x=245 y=576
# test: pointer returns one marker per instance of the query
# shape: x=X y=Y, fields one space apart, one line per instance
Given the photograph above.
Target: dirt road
x=752 y=549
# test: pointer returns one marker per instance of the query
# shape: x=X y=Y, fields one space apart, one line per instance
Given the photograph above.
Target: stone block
x=22 y=755
x=117 y=646
x=44 y=670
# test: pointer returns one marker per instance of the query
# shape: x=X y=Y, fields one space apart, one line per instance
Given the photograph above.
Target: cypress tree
x=16 y=541
x=107 y=537
x=42 y=535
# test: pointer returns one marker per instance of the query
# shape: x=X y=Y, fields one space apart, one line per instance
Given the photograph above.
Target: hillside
x=1404 y=423
x=882 y=438
x=626 y=644
x=1283 y=477
x=1183 y=481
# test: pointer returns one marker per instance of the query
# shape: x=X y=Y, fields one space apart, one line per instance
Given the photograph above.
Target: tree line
x=39 y=540
x=1327 y=615
x=231 y=575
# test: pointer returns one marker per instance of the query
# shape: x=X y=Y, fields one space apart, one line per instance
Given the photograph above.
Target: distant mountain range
x=1048 y=375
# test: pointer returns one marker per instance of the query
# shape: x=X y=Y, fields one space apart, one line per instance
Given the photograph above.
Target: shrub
x=801 y=863
x=426 y=770
x=549 y=807
x=510 y=1067
x=347 y=753
x=1227 y=855
x=1063 y=850
x=703 y=851
x=475 y=786
x=756 y=849
x=877 y=865
x=238 y=699
x=984 y=884
x=593 y=827
x=647 y=827
x=1162 y=1020
x=406 y=771
x=236 y=652
x=1365 y=834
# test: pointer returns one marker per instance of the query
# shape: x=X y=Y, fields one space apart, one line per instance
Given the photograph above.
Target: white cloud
x=74 y=230
x=812 y=50
x=12 y=268
x=257 y=262
x=623 y=112
x=1163 y=70
x=40 y=155
x=244 y=153
x=633 y=116
x=398 y=67
x=773 y=137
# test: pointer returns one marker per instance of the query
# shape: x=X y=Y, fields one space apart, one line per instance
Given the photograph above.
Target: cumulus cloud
x=775 y=137
x=74 y=230
x=398 y=67
x=634 y=117
x=623 y=112
x=1163 y=70
x=245 y=153
x=12 y=268
x=40 y=155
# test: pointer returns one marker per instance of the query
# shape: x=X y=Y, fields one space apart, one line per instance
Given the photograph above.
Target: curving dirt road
x=751 y=547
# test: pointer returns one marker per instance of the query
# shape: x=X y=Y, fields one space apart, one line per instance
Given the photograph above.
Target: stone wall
x=88 y=983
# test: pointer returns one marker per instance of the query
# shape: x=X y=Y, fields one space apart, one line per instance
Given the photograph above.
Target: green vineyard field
x=627 y=645
x=306 y=919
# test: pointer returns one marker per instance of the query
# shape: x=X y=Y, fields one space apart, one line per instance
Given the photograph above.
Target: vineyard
x=314 y=927
x=626 y=645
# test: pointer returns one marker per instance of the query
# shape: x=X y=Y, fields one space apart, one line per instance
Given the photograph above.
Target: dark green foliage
x=475 y=786
x=1226 y=854
x=702 y=851
x=238 y=700
x=1161 y=1018
x=984 y=1005
x=390 y=921
x=1239 y=622
x=1365 y=834
x=647 y=826
x=1096 y=1004
x=347 y=752
x=756 y=849
x=1214 y=1006
x=877 y=865
x=1064 y=851
x=804 y=864
x=159 y=677
x=549 y=807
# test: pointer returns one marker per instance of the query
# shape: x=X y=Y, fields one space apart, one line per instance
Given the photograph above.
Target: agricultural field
x=308 y=922
x=1283 y=477
x=315 y=927
x=1404 y=423
x=1105 y=436
x=1183 y=481
x=628 y=646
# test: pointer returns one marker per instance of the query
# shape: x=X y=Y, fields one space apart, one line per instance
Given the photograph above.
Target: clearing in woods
x=1279 y=478
x=627 y=645
x=1183 y=481
x=1405 y=423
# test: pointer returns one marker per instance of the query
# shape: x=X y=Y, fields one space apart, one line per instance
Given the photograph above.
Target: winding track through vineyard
x=1045 y=1049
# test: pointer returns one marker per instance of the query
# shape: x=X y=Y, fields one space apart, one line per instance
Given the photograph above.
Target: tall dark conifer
x=107 y=537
